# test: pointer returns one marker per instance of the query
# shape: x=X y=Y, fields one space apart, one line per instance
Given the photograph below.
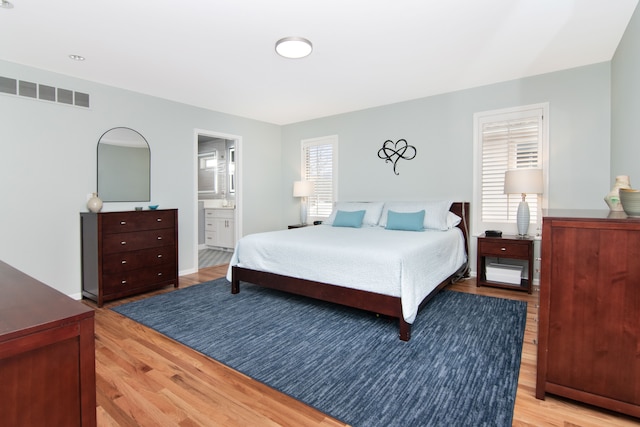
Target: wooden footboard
x=377 y=303
x=381 y=304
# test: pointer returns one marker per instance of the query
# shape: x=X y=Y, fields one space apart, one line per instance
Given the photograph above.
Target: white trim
x=322 y=140
x=77 y=296
x=477 y=137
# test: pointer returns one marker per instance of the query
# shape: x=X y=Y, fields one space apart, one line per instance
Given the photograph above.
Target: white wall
x=441 y=128
x=48 y=157
x=48 y=166
x=625 y=108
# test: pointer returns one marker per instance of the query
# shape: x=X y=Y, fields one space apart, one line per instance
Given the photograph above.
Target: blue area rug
x=460 y=367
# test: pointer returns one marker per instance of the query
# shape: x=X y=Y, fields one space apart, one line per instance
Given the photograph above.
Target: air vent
x=8 y=85
x=47 y=93
x=27 y=89
x=65 y=96
x=81 y=99
x=43 y=92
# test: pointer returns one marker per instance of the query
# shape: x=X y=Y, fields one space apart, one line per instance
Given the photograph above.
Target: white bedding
x=404 y=264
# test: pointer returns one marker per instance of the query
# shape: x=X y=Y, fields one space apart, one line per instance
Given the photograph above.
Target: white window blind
x=319 y=160
x=507 y=140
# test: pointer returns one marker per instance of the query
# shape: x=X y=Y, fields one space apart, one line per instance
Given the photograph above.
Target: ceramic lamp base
x=523 y=218
x=303 y=211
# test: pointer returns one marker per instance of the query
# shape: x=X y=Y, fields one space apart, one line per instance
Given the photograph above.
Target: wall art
x=391 y=152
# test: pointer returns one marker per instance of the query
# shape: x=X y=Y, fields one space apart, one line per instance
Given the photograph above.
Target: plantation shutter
x=318 y=165
x=509 y=141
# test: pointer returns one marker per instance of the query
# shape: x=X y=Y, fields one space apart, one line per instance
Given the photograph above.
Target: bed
x=391 y=272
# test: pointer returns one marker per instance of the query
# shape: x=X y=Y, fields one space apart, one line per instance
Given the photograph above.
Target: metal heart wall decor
x=394 y=151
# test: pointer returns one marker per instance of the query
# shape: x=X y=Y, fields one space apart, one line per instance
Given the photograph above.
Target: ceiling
x=219 y=54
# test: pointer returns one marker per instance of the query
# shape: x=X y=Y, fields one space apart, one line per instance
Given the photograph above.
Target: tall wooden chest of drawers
x=127 y=253
x=47 y=355
x=589 y=330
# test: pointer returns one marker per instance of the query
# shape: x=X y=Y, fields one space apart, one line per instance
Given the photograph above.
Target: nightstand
x=505 y=247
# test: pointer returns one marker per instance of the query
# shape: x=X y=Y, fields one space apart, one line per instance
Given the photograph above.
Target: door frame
x=238 y=183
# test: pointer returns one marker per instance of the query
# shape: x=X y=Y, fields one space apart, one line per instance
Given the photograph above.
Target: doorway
x=218 y=196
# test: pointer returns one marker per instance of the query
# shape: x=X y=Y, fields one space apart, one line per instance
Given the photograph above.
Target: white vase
x=94 y=204
x=613 y=198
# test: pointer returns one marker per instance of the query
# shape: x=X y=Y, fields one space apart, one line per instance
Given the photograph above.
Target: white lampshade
x=303 y=188
x=519 y=181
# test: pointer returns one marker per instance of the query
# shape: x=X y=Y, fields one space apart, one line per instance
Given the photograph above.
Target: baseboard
x=219 y=248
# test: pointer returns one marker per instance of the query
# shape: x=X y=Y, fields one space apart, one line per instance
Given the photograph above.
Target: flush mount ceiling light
x=77 y=57
x=6 y=4
x=293 y=47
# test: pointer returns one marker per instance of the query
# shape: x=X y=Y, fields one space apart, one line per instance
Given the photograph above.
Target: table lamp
x=523 y=181
x=303 y=189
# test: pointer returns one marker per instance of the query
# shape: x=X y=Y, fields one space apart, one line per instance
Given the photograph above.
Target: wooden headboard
x=462 y=210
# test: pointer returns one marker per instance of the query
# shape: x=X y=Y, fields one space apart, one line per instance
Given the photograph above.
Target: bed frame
x=370 y=301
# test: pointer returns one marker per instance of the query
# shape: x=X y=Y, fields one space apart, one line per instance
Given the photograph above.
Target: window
x=319 y=164
x=507 y=139
x=232 y=170
x=208 y=174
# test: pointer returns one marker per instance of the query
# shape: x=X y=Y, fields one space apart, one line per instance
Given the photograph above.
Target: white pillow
x=371 y=216
x=435 y=212
x=453 y=220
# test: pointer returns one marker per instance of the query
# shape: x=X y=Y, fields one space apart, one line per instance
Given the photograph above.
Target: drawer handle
x=159 y=255
x=159 y=219
x=124 y=282
x=159 y=274
x=159 y=237
x=123 y=243
x=123 y=222
x=503 y=249
x=124 y=261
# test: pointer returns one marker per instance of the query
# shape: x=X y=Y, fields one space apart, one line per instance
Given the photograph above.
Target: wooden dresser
x=589 y=331
x=47 y=355
x=127 y=253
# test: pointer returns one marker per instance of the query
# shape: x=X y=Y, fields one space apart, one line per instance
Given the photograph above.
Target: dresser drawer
x=121 y=282
x=120 y=222
x=131 y=260
x=503 y=249
x=124 y=242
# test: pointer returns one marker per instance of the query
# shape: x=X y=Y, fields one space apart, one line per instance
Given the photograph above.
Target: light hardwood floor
x=146 y=379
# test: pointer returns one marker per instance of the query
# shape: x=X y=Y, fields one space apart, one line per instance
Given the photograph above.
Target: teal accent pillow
x=349 y=219
x=408 y=221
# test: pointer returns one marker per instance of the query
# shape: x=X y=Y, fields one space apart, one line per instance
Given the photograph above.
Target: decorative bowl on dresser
x=127 y=253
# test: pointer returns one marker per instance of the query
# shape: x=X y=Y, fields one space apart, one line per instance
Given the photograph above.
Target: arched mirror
x=124 y=166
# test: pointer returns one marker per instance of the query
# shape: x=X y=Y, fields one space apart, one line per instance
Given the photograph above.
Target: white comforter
x=404 y=264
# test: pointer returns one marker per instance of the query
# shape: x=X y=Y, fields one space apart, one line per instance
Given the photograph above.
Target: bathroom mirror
x=124 y=166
